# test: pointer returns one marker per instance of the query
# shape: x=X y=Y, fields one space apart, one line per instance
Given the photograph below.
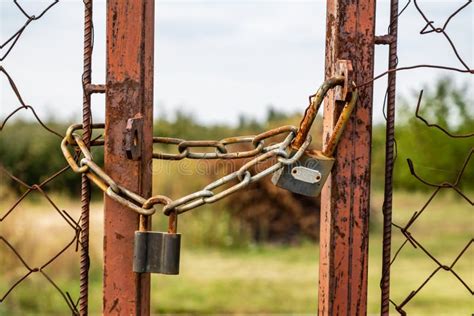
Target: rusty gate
x=128 y=89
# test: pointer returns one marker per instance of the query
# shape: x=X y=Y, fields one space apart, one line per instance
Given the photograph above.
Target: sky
x=218 y=59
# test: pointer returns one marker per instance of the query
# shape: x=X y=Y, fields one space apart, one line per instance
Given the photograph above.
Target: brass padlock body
x=315 y=164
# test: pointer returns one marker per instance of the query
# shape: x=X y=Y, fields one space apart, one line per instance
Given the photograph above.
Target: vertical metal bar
x=130 y=36
x=389 y=161
x=85 y=186
x=345 y=199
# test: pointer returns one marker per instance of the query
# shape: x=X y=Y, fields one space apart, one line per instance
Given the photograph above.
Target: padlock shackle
x=311 y=111
x=340 y=125
x=173 y=223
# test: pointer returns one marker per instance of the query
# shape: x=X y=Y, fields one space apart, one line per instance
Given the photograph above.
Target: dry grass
x=244 y=279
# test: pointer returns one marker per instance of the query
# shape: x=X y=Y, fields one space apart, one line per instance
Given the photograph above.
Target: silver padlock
x=308 y=175
x=158 y=252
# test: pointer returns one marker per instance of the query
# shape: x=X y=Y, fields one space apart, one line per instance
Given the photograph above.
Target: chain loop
x=284 y=153
x=221 y=146
x=243 y=176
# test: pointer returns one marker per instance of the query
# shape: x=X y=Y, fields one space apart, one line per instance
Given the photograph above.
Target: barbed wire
x=29 y=189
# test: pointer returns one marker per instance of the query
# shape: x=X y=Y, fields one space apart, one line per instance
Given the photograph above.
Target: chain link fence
x=78 y=228
x=12 y=250
x=406 y=229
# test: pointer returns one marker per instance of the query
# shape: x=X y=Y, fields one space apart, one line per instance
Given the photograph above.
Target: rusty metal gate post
x=130 y=41
x=345 y=198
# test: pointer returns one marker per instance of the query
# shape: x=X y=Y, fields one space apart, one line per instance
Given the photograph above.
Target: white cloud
x=219 y=58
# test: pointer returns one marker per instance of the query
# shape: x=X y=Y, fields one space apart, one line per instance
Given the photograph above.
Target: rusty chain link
x=220 y=146
x=145 y=207
x=243 y=175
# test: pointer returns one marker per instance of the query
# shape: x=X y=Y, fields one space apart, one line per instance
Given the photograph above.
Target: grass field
x=239 y=277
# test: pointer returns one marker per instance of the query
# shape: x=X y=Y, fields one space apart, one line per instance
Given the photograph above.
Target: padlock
x=308 y=174
x=158 y=252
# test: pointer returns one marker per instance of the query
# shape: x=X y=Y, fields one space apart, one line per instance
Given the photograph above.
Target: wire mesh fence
x=455 y=186
x=79 y=228
x=412 y=239
x=12 y=250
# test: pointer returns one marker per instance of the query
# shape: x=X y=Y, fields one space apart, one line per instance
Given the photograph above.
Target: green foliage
x=436 y=156
x=31 y=153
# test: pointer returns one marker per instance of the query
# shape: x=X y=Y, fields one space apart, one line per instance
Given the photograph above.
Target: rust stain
x=114 y=305
x=130 y=25
x=345 y=198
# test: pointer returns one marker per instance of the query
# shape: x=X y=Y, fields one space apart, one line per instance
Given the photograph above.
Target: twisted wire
x=85 y=185
x=389 y=161
x=390 y=154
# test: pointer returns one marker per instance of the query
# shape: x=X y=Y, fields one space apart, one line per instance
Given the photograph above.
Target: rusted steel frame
x=389 y=161
x=130 y=36
x=85 y=185
x=346 y=196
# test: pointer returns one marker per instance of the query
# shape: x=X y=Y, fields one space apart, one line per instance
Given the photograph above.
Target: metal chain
x=222 y=147
x=284 y=153
x=243 y=175
x=146 y=207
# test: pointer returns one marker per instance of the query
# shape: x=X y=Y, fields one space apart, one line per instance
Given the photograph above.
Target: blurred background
x=224 y=69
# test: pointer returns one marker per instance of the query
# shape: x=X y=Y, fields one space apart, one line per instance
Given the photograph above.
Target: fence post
x=345 y=197
x=130 y=36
